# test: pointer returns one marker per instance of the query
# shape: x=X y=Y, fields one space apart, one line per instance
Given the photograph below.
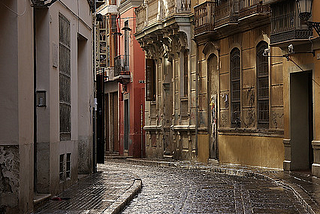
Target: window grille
x=235 y=87
x=150 y=80
x=185 y=74
x=263 y=86
x=68 y=166
x=64 y=78
x=61 y=167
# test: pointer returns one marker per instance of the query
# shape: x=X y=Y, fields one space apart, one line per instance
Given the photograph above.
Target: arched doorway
x=213 y=91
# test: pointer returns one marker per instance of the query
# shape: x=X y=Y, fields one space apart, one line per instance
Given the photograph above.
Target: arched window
x=262 y=86
x=235 y=87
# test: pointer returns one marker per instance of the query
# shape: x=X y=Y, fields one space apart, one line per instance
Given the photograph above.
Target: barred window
x=68 y=166
x=64 y=78
x=262 y=86
x=185 y=73
x=150 y=80
x=235 y=87
x=61 y=167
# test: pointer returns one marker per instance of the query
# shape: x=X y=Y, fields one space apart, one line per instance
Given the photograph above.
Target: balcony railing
x=226 y=12
x=287 y=26
x=155 y=12
x=140 y=17
x=204 y=17
x=121 y=69
x=256 y=8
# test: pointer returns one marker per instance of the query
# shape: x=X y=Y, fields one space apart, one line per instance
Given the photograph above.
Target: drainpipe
x=35 y=99
x=197 y=101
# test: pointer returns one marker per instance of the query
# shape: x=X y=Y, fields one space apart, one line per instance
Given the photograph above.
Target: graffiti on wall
x=276 y=119
x=250 y=117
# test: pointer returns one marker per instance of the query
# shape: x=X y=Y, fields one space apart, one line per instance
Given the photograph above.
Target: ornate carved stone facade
x=164 y=31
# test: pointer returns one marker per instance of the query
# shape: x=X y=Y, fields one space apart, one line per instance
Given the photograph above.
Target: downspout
x=35 y=99
x=197 y=101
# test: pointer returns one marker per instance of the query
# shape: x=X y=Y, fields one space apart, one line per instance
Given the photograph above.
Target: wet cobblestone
x=93 y=194
x=176 y=190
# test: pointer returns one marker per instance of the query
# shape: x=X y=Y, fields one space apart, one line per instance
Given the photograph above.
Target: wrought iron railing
x=287 y=26
x=204 y=17
x=226 y=12
x=255 y=7
x=121 y=67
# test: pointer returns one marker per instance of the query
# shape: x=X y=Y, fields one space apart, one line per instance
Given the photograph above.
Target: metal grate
x=263 y=86
x=64 y=78
x=235 y=87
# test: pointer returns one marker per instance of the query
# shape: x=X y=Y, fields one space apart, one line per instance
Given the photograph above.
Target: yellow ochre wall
x=251 y=151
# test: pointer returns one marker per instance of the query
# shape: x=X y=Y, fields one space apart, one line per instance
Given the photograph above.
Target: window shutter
x=150 y=80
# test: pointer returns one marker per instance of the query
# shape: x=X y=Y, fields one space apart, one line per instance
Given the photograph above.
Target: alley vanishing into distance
x=165 y=189
x=176 y=190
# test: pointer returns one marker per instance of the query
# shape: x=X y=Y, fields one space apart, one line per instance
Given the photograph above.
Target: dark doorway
x=114 y=121
x=100 y=119
x=301 y=120
x=126 y=124
x=213 y=87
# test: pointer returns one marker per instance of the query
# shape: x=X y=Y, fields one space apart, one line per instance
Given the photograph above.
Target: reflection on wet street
x=176 y=190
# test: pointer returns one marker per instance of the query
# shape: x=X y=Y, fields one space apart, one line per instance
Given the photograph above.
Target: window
x=150 y=80
x=126 y=45
x=64 y=78
x=262 y=86
x=185 y=73
x=235 y=87
x=68 y=166
x=61 y=167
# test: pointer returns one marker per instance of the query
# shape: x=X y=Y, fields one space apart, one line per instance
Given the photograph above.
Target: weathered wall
x=16 y=107
x=9 y=178
x=251 y=150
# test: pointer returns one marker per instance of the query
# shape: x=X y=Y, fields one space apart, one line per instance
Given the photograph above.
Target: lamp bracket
x=315 y=26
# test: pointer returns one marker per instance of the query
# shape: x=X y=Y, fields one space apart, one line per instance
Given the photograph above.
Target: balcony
x=254 y=11
x=154 y=13
x=286 y=26
x=140 y=17
x=121 y=69
x=99 y=3
x=226 y=14
x=204 y=18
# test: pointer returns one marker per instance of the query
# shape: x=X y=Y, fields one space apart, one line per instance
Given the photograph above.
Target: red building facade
x=130 y=68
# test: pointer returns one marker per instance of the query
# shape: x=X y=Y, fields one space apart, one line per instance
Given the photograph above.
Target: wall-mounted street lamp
x=304 y=10
x=291 y=51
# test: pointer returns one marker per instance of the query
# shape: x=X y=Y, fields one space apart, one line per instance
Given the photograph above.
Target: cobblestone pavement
x=92 y=194
x=176 y=190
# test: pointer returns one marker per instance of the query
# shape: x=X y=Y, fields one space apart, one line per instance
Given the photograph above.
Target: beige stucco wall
x=251 y=151
x=243 y=145
x=16 y=107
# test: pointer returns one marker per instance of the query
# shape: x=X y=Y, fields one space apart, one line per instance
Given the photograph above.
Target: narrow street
x=176 y=190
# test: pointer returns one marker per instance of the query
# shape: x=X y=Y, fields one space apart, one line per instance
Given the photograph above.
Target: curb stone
x=125 y=198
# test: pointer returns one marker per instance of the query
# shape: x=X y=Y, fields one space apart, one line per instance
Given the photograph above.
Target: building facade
x=46 y=135
x=164 y=31
x=241 y=88
x=130 y=66
x=121 y=63
x=298 y=44
x=108 y=90
x=211 y=93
